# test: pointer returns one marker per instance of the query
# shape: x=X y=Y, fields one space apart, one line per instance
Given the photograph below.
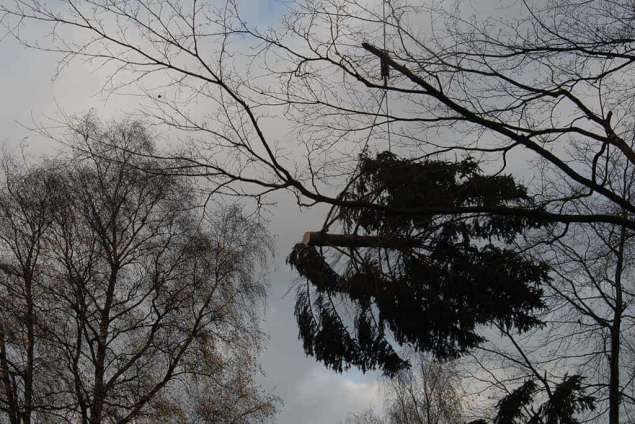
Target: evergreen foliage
x=464 y=272
x=510 y=408
x=567 y=399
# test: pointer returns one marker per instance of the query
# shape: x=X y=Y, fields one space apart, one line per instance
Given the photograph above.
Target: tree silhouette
x=458 y=275
x=117 y=298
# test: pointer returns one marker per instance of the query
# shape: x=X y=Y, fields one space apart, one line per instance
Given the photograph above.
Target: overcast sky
x=33 y=95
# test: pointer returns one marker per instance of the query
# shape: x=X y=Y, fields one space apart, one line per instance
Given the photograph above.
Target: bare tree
x=139 y=299
x=29 y=389
x=429 y=393
x=459 y=80
x=589 y=315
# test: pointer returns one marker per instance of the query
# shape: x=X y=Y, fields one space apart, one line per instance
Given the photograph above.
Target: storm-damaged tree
x=431 y=294
x=118 y=298
x=526 y=84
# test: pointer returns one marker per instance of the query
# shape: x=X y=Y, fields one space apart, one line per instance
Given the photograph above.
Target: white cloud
x=324 y=396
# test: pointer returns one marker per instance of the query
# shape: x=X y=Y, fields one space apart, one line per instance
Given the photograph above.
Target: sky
x=33 y=95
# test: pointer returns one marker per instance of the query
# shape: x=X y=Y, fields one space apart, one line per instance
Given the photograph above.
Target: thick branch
x=354 y=240
x=499 y=128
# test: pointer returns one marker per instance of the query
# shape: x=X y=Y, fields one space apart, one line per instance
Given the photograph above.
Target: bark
x=614 y=358
x=12 y=405
x=353 y=240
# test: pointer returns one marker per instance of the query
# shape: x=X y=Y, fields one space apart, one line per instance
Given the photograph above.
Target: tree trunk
x=12 y=405
x=28 y=373
x=317 y=238
x=614 y=358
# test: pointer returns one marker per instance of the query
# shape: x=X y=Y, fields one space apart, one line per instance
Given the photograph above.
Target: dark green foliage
x=511 y=408
x=323 y=333
x=311 y=265
x=567 y=399
x=400 y=185
x=464 y=273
